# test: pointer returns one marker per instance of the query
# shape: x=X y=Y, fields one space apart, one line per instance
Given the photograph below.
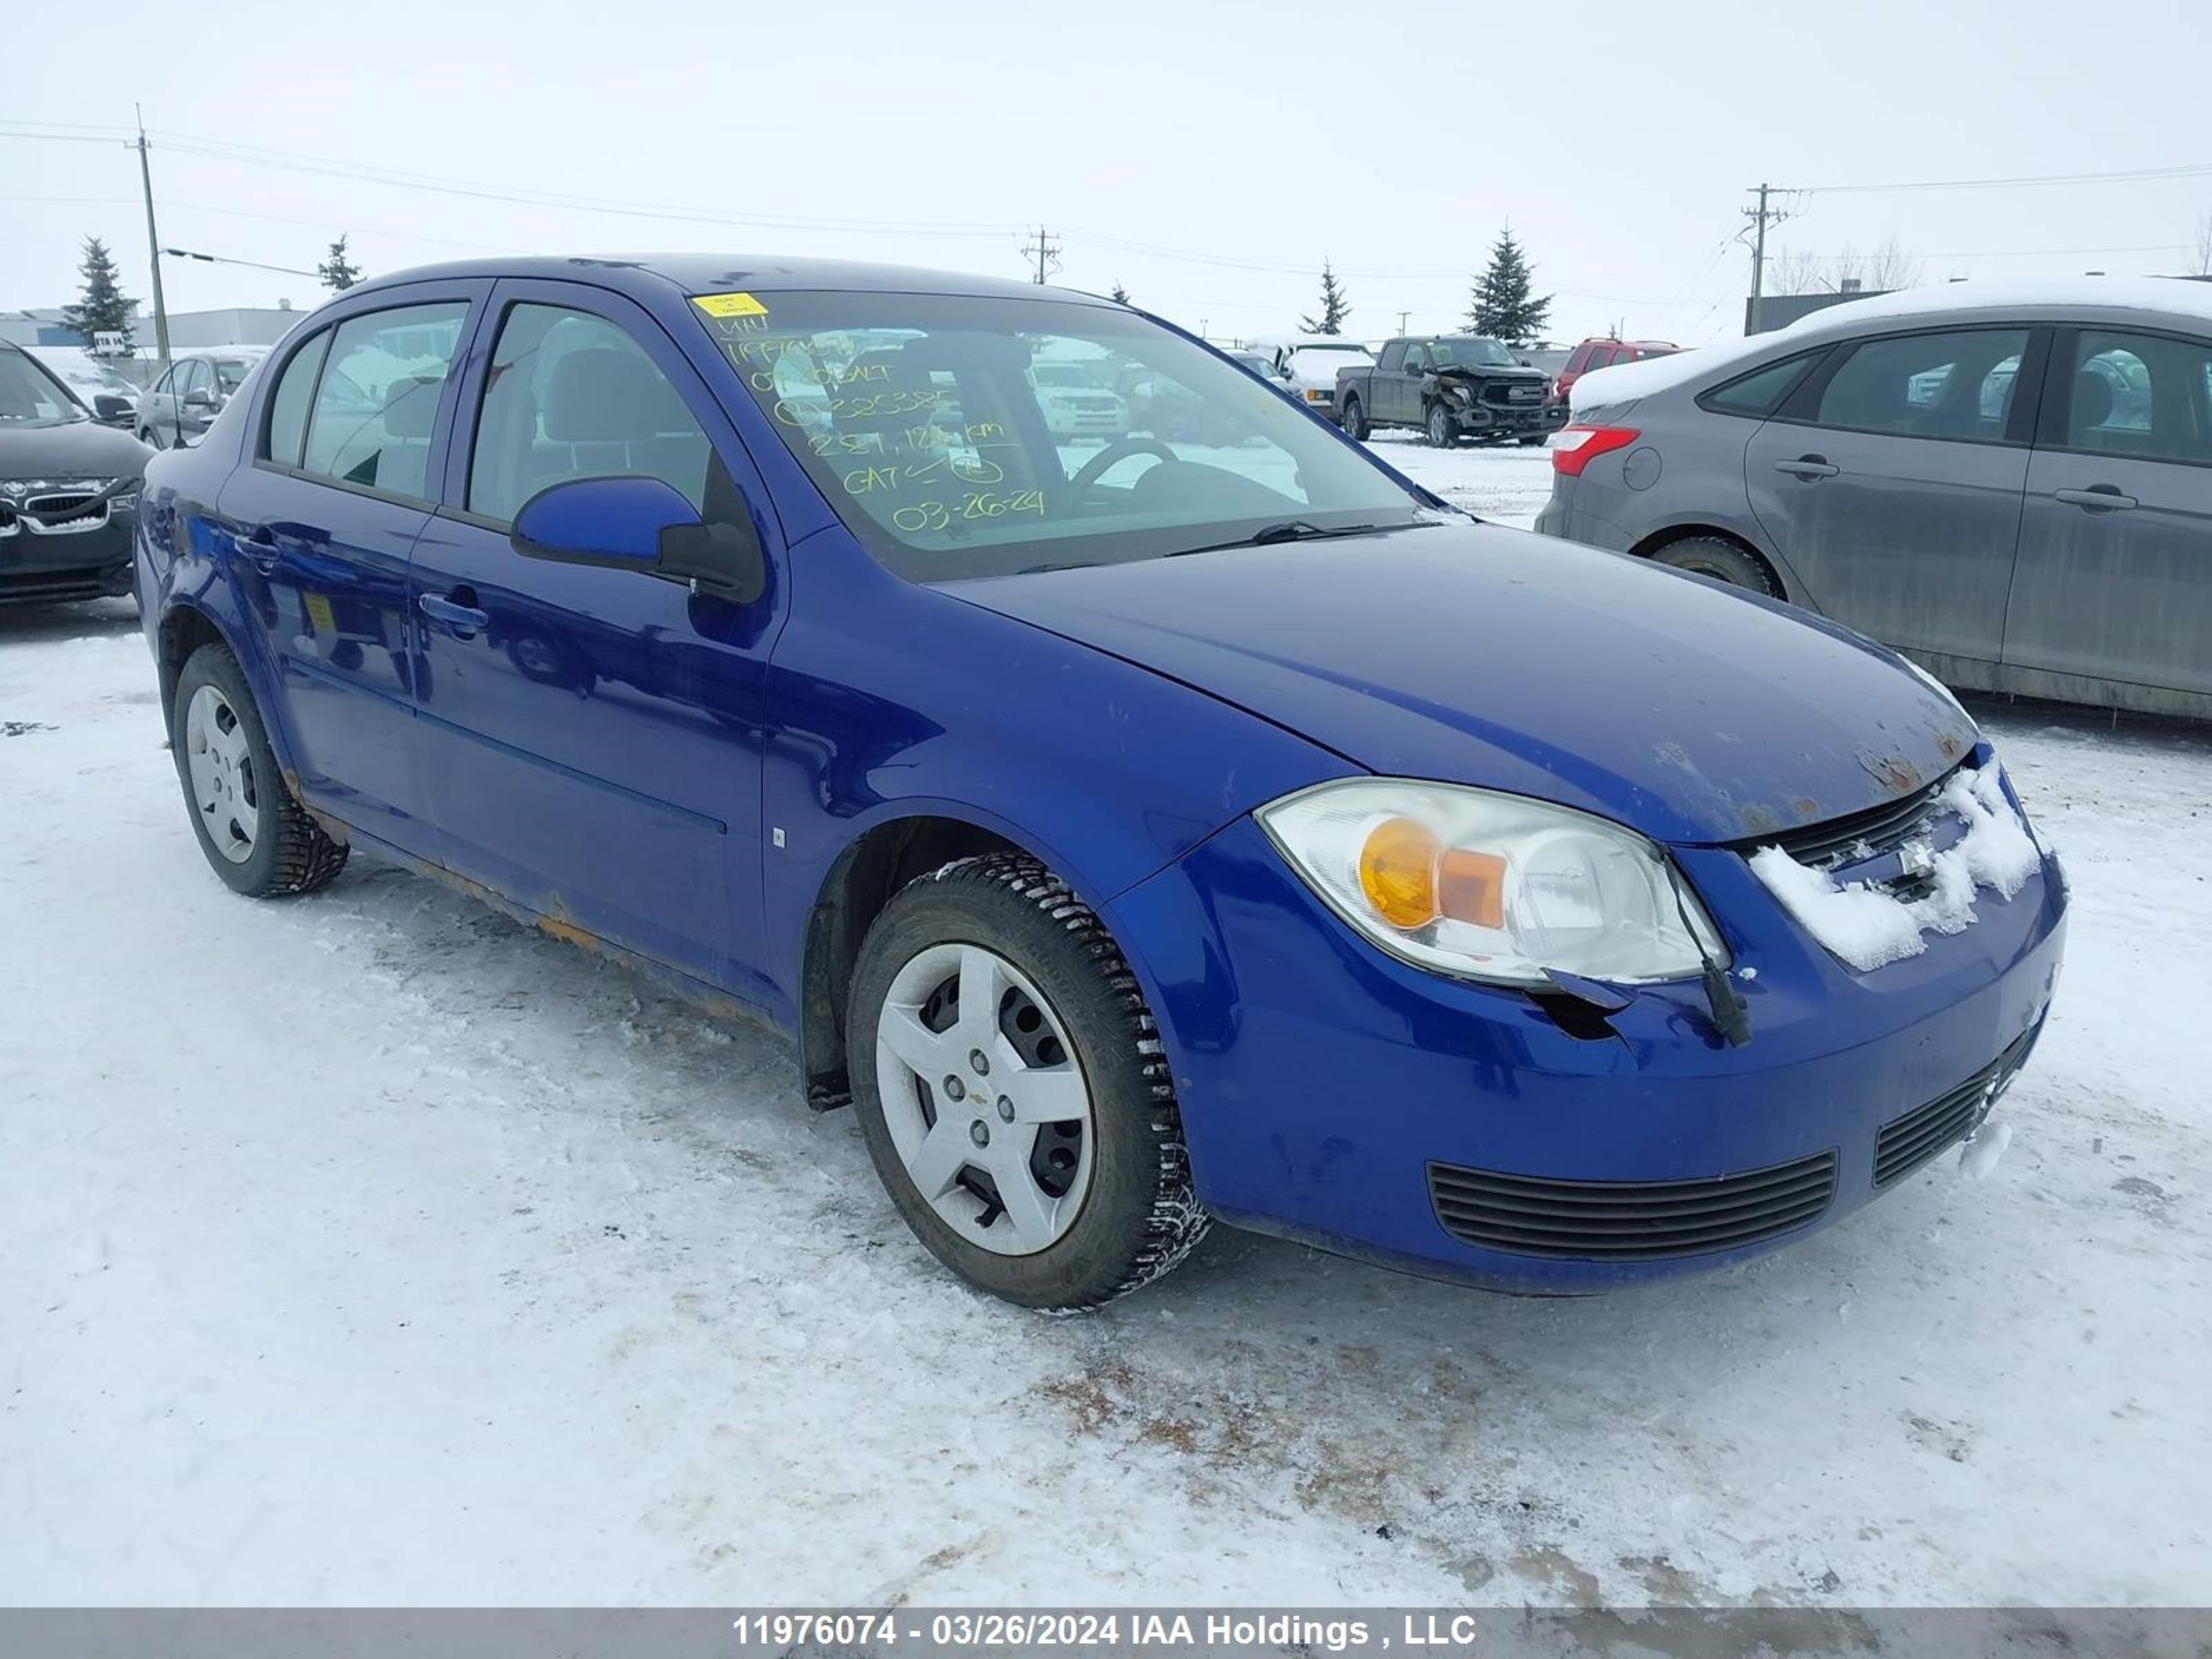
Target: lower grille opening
x=1906 y=1143
x=1629 y=1220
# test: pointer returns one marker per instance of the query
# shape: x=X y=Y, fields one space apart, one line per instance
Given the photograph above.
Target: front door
x=591 y=738
x=1892 y=482
x=2115 y=575
x=322 y=522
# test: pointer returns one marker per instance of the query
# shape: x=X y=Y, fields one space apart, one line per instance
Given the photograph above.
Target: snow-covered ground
x=367 y=1248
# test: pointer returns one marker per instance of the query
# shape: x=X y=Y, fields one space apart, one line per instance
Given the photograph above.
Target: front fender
x=891 y=701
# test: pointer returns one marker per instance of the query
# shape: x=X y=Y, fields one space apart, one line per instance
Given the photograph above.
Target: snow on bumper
x=1332 y=1095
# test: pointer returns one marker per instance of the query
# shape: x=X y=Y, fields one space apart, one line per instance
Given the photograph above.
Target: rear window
x=1761 y=391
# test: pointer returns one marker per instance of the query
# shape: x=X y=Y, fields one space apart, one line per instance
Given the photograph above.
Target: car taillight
x=1577 y=446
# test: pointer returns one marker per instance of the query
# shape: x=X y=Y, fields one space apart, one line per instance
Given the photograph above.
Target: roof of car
x=722 y=273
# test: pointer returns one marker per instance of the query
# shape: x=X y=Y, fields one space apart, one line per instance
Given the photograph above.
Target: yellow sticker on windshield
x=729 y=304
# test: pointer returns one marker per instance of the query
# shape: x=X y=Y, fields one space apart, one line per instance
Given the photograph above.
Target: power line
x=2129 y=175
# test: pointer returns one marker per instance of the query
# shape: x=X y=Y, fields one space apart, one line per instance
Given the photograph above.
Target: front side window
x=571 y=395
x=945 y=433
x=2143 y=395
x=1957 y=385
x=377 y=400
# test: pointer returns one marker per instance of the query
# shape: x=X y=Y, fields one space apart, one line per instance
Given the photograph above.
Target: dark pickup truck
x=1451 y=386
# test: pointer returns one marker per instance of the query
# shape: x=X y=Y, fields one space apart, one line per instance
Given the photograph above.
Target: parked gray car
x=2013 y=486
x=186 y=400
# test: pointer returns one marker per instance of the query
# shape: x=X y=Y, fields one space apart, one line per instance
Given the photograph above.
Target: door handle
x=463 y=619
x=2097 y=498
x=1808 y=466
x=259 y=546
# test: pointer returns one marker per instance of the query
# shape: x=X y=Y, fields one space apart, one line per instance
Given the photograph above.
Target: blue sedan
x=1133 y=835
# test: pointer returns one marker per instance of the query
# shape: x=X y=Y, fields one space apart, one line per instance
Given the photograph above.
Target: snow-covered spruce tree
x=1335 y=309
x=104 y=306
x=338 y=273
x=1502 y=308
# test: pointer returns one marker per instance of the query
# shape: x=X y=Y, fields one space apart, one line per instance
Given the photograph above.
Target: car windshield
x=31 y=397
x=1470 y=351
x=920 y=417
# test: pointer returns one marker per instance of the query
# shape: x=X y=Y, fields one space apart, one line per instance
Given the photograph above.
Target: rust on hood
x=1895 y=773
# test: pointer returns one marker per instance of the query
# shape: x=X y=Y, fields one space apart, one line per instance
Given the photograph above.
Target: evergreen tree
x=1120 y=294
x=339 y=273
x=1335 y=309
x=104 y=305
x=1502 y=308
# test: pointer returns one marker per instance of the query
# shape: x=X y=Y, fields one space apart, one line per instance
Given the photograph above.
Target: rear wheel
x=1354 y=420
x=1012 y=1091
x=1443 y=430
x=254 y=834
x=1723 y=561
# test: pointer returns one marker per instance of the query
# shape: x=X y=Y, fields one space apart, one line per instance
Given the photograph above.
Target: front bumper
x=1335 y=1095
x=1519 y=420
x=65 y=563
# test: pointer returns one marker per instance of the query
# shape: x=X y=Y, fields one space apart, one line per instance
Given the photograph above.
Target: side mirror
x=113 y=409
x=643 y=525
x=200 y=397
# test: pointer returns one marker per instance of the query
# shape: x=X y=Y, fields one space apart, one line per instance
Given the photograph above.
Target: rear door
x=346 y=454
x=1892 y=480
x=2115 y=579
x=1403 y=398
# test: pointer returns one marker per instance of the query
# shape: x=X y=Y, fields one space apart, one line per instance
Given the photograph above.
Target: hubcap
x=1005 y=1165
x=225 y=792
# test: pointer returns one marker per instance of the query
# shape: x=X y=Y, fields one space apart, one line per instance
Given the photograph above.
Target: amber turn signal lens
x=1471 y=887
x=1398 y=871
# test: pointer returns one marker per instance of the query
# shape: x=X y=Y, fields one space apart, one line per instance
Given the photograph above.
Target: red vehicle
x=1603 y=354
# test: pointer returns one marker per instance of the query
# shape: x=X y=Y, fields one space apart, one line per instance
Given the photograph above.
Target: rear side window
x=1957 y=385
x=377 y=401
x=288 y=410
x=571 y=395
x=1759 y=392
x=2142 y=395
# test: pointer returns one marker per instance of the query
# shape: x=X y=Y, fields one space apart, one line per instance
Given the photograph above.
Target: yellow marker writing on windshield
x=729 y=304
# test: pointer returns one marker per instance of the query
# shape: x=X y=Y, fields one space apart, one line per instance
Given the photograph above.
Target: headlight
x=1493 y=887
x=1464 y=393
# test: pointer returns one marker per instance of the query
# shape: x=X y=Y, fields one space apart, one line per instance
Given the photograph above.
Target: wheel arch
x=183 y=629
x=860 y=881
x=1785 y=580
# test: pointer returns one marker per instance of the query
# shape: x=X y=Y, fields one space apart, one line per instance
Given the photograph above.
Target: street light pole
x=153 y=245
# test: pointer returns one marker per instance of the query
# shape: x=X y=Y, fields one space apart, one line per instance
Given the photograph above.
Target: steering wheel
x=1113 y=454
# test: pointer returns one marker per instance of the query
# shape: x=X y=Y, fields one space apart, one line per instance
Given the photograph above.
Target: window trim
x=2058 y=408
x=1796 y=408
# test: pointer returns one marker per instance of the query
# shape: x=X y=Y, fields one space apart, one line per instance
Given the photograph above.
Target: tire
x=1723 y=561
x=255 y=834
x=1443 y=432
x=1125 y=1213
x=151 y=437
x=1354 y=420
x=1530 y=442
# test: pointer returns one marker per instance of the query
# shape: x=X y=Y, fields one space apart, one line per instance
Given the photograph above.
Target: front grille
x=1906 y=1143
x=1858 y=836
x=65 y=514
x=1629 y=1220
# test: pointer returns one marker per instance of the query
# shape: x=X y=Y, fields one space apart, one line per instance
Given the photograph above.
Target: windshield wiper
x=1289 y=530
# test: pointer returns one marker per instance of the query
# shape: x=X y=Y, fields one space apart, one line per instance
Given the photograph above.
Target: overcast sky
x=1208 y=154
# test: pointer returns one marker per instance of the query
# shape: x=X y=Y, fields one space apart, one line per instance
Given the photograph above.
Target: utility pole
x=1045 y=249
x=1761 y=218
x=1402 y=321
x=153 y=243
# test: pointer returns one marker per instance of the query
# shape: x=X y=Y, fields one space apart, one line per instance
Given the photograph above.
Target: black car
x=1449 y=386
x=69 y=491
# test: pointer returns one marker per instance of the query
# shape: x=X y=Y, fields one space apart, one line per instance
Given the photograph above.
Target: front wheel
x=254 y=833
x=1532 y=440
x=1354 y=420
x=151 y=437
x=1011 y=1089
x=1443 y=430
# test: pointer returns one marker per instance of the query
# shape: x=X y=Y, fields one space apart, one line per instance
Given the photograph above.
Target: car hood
x=1468 y=653
x=1487 y=372
x=82 y=449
